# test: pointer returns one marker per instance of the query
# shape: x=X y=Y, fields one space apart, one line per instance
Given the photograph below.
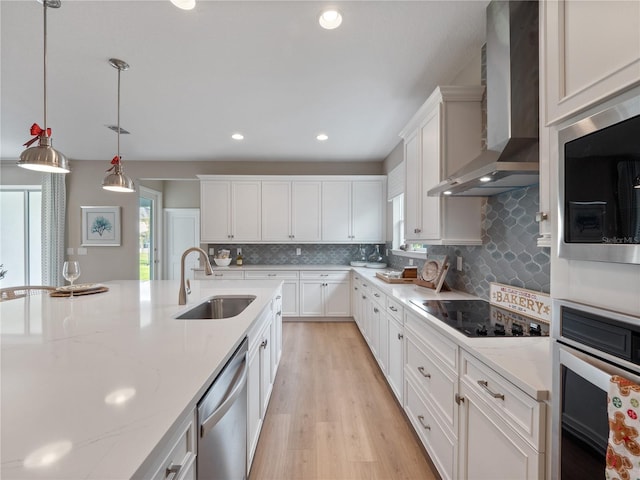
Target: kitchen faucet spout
x=182 y=295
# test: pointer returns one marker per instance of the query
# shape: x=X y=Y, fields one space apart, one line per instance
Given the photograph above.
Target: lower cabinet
x=290 y=286
x=502 y=429
x=472 y=421
x=325 y=294
x=178 y=454
x=265 y=345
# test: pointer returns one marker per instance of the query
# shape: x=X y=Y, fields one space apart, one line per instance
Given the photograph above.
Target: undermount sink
x=218 y=307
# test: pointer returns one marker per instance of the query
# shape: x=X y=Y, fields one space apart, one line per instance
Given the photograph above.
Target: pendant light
x=43 y=157
x=636 y=182
x=117 y=181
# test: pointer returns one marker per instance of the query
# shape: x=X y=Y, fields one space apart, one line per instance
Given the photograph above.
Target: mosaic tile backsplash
x=509 y=253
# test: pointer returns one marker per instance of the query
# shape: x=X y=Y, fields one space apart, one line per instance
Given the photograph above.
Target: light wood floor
x=332 y=416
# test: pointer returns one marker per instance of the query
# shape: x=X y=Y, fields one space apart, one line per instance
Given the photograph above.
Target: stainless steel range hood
x=512 y=157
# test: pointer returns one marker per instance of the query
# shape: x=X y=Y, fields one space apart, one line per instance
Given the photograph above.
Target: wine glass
x=71 y=271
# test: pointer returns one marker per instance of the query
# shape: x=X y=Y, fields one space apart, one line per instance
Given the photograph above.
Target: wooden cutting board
x=387 y=279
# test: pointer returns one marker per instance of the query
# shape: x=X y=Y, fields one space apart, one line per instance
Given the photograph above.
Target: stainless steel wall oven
x=599 y=190
x=590 y=345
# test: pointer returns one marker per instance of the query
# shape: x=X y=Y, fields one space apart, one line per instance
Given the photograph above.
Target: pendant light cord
x=119 y=70
x=44 y=6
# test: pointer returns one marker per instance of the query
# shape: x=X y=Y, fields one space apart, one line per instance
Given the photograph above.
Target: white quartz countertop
x=524 y=361
x=289 y=267
x=90 y=385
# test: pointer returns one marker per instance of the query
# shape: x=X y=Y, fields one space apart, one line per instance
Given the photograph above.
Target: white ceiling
x=263 y=68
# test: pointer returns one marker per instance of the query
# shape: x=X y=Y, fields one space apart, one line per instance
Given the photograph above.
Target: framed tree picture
x=100 y=226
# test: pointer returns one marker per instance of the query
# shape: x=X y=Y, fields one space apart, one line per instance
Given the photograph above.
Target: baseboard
x=317 y=319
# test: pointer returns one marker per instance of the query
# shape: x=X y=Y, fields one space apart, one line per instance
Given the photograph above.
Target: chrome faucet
x=182 y=295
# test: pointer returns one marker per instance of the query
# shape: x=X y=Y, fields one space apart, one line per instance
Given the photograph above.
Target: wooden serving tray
x=385 y=278
x=79 y=292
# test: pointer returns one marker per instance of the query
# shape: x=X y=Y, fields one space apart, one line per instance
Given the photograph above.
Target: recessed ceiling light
x=237 y=136
x=184 y=4
x=330 y=19
x=448 y=192
x=485 y=179
x=322 y=137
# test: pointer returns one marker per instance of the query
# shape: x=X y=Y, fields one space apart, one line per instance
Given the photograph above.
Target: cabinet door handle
x=459 y=398
x=279 y=313
x=172 y=471
x=355 y=288
x=375 y=310
x=393 y=309
x=264 y=343
x=278 y=297
x=421 y=420
x=376 y=295
x=484 y=384
x=363 y=297
x=365 y=285
x=426 y=375
x=400 y=336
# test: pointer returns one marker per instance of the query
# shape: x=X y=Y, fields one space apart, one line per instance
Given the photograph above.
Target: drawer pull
x=400 y=336
x=376 y=295
x=364 y=285
x=363 y=297
x=393 y=309
x=484 y=384
x=219 y=275
x=421 y=420
x=278 y=297
x=355 y=288
x=271 y=274
x=172 y=471
x=426 y=375
x=375 y=310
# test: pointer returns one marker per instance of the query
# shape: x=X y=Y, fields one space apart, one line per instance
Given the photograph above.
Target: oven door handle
x=592 y=369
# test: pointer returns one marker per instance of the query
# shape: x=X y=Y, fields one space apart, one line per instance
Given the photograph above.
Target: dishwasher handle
x=226 y=404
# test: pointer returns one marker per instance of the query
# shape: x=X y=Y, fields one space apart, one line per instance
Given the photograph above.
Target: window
x=20 y=241
x=398 y=221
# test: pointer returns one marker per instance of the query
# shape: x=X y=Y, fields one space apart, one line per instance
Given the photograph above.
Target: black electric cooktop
x=477 y=318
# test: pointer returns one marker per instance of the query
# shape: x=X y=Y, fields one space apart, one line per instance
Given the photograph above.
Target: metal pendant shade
x=43 y=157
x=636 y=182
x=116 y=180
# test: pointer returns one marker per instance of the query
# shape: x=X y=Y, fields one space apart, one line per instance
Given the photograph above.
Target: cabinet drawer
x=523 y=413
x=377 y=296
x=440 y=446
x=179 y=452
x=225 y=275
x=394 y=308
x=436 y=380
x=314 y=275
x=445 y=349
x=270 y=275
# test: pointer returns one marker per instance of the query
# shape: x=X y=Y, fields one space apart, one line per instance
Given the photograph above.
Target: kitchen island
x=92 y=385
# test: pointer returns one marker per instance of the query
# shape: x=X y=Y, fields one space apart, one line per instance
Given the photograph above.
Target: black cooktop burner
x=477 y=318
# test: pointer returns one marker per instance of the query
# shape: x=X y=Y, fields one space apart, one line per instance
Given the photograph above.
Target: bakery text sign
x=520 y=300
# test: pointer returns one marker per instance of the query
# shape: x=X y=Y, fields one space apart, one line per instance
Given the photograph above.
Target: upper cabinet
x=441 y=138
x=292 y=209
x=591 y=52
x=353 y=211
x=230 y=211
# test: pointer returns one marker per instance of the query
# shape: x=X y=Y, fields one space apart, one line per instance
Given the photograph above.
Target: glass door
x=150 y=206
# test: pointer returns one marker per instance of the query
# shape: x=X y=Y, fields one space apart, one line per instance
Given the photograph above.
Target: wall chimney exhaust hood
x=512 y=157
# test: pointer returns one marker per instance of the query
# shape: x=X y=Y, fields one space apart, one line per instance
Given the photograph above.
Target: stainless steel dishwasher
x=222 y=423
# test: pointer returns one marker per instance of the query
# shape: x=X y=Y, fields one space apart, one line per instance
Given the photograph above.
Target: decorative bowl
x=222 y=262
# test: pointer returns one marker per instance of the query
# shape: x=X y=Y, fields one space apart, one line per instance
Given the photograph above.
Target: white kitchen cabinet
x=220 y=274
x=178 y=453
x=230 y=211
x=498 y=421
x=262 y=346
x=395 y=369
x=291 y=211
x=591 y=51
x=442 y=136
x=290 y=287
x=325 y=294
x=354 y=211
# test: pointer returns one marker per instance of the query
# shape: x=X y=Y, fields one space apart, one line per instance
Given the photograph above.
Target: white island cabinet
x=107 y=392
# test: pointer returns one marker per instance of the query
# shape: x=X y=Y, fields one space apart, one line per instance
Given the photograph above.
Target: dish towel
x=623 y=450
